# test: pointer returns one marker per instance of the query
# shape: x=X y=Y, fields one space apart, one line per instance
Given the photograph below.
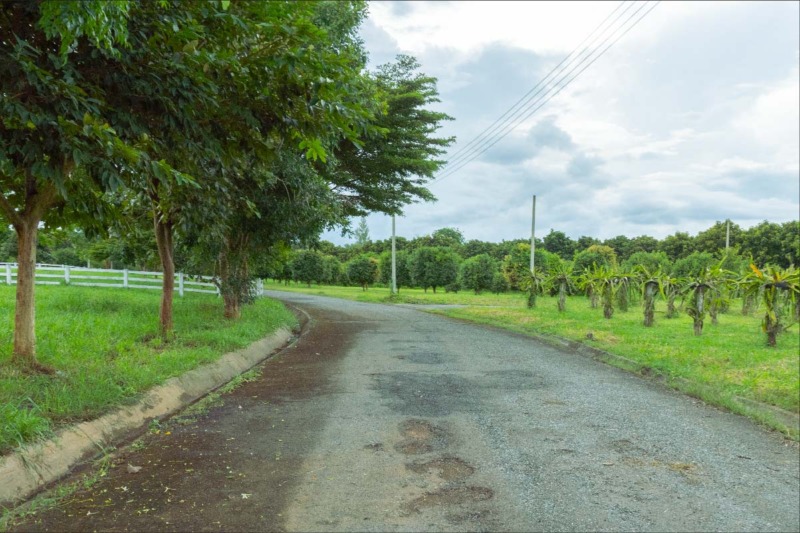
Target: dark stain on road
x=420 y=436
x=447 y=468
x=188 y=481
x=450 y=496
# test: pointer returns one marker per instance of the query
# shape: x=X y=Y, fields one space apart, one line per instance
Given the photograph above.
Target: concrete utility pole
x=533 y=233
x=394 y=262
x=727 y=234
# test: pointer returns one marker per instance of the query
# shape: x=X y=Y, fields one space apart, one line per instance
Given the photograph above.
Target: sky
x=691 y=117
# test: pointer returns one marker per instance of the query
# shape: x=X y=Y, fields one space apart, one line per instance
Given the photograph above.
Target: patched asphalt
x=385 y=418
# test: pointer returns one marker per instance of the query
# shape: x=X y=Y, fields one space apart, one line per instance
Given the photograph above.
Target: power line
x=525 y=98
x=547 y=96
x=531 y=108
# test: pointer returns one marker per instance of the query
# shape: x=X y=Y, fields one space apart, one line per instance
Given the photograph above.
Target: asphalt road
x=385 y=418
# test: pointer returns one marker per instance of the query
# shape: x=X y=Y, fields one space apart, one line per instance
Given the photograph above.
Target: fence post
x=66 y=274
x=8 y=273
x=180 y=283
x=125 y=278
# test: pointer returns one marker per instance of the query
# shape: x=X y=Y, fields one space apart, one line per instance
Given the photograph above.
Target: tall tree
x=388 y=168
x=56 y=142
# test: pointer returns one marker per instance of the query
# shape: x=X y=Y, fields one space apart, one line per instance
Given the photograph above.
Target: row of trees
x=701 y=284
x=766 y=243
x=212 y=134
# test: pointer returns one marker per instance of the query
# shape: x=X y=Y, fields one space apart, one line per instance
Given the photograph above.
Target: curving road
x=385 y=418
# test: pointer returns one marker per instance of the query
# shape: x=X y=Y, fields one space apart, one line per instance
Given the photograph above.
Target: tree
x=57 y=151
x=558 y=243
x=433 y=267
x=448 y=238
x=362 y=270
x=308 y=267
x=388 y=167
x=650 y=261
x=621 y=246
x=779 y=289
x=402 y=269
x=560 y=280
x=516 y=266
x=477 y=273
x=692 y=265
x=597 y=254
x=712 y=240
x=677 y=246
x=361 y=233
x=766 y=243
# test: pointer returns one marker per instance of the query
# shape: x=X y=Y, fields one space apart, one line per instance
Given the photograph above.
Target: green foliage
x=499 y=283
x=517 y=264
x=433 y=267
x=402 y=269
x=780 y=294
x=597 y=254
x=387 y=168
x=477 y=273
x=307 y=267
x=695 y=264
x=362 y=270
x=108 y=352
x=558 y=243
x=361 y=233
x=560 y=281
x=650 y=261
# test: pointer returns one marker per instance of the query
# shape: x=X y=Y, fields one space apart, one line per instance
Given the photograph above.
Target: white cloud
x=693 y=117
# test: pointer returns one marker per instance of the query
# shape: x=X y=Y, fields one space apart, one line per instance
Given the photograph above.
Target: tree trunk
x=532 y=297
x=164 y=241
x=649 y=303
x=26 y=225
x=671 y=312
x=698 y=318
x=24 y=355
x=608 y=303
x=562 y=297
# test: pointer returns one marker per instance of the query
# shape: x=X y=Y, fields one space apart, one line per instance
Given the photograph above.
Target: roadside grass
x=105 y=347
x=727 y=361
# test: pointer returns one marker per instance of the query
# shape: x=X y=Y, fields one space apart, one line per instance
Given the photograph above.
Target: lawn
x=104 y=345
x=727 y=361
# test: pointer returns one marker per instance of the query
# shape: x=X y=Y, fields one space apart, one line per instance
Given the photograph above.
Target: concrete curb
x=25 y=472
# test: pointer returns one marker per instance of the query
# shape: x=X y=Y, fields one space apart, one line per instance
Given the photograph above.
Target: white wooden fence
x=100 y=277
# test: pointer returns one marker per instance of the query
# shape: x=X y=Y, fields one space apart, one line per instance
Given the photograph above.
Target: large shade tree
x=57 y=150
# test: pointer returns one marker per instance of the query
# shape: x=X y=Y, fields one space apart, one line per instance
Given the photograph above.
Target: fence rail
x=100 y=277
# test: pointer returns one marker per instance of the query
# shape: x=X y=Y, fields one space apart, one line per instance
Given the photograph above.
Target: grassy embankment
x=103 y=342
x=727 y=361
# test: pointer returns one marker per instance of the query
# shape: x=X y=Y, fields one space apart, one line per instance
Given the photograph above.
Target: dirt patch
x=447 y=468
x=450 y=496
x=420 y=437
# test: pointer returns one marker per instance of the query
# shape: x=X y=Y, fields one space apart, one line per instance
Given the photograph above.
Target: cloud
x=693 y=117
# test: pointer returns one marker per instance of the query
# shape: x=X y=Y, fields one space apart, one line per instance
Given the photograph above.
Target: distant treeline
x=767 y=243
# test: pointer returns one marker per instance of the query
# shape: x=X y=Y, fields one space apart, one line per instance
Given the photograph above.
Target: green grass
x=105 y=346
x=728 y=360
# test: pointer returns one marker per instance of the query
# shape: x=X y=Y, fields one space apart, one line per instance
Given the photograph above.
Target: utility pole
x=394 y=262
x=727 y=234
x=533 y=239
x=532 y=290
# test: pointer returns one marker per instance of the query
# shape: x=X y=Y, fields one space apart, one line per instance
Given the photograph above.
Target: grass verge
x=728 y=361
x=103 y=342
